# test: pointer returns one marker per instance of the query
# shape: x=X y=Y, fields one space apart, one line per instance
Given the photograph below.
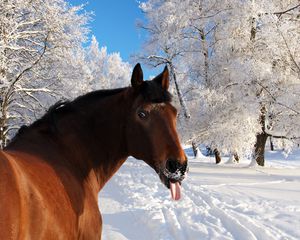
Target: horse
x=52 y=170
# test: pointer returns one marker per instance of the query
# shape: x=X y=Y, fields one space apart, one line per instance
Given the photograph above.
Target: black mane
x=64 y=107
x=150 y=90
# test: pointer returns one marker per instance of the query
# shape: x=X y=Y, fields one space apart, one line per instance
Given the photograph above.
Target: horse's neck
x=103 y=137
x=93 y=146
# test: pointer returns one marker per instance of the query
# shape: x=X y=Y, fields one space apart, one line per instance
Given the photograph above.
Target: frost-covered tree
x=36 y=37
x=164 y=45
x=258 y=45
x=239 y=67
x=181 y=34
x=42 y=59
x=108 y=70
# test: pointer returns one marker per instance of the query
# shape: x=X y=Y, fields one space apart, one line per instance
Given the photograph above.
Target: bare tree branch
x=289 y=51
x=12 y=85
x=274 y=99
x=286 y=11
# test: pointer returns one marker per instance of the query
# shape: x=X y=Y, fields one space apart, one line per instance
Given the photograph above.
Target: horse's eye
x=142 y=114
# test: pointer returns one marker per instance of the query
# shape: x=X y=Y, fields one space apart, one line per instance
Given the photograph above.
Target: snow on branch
x=274 y=98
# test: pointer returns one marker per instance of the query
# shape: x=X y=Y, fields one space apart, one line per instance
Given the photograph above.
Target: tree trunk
x=3 y=124
x=186 y=113
x=217 y=156
x=261 y=139
x=205 y=55
x=236 y=157
x=195 y=149
x=253 y=29
x=3 y=136
x=259 y=148
x=271 y=144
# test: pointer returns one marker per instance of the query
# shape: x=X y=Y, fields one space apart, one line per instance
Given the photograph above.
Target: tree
x=107 y=70
x=238 y=63
x=257 y=37
x=182 y=35
x=163 y=45
x=93 y=68
x=35 y=38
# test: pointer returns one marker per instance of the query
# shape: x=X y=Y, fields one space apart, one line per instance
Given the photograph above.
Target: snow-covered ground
x=226 y=201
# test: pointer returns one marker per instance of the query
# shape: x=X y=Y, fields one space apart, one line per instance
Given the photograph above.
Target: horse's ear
x=137 y=76
x=163 y=79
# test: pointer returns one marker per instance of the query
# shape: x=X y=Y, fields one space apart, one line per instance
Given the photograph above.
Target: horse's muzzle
x=173 y=172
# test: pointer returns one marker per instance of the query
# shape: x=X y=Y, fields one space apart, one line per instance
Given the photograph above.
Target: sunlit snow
x=227 y=201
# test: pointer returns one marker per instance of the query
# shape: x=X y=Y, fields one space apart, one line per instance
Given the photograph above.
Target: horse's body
x=52 y=171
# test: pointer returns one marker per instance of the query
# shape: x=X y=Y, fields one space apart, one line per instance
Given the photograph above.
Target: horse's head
x=151 y=129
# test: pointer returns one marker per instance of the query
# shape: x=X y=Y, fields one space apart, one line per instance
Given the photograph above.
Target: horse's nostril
x=172 y=165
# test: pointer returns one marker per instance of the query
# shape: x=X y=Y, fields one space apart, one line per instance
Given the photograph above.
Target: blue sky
x=114 y=25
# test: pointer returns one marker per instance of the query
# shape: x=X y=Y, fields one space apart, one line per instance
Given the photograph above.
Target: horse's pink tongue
x=175 y=190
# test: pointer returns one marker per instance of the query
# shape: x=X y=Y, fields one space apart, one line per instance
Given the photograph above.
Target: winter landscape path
x=228 y=201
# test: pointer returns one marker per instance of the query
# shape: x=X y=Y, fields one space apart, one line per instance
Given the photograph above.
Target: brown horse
x=52 y=171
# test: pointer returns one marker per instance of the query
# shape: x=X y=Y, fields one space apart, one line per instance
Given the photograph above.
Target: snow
x=226 y=201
